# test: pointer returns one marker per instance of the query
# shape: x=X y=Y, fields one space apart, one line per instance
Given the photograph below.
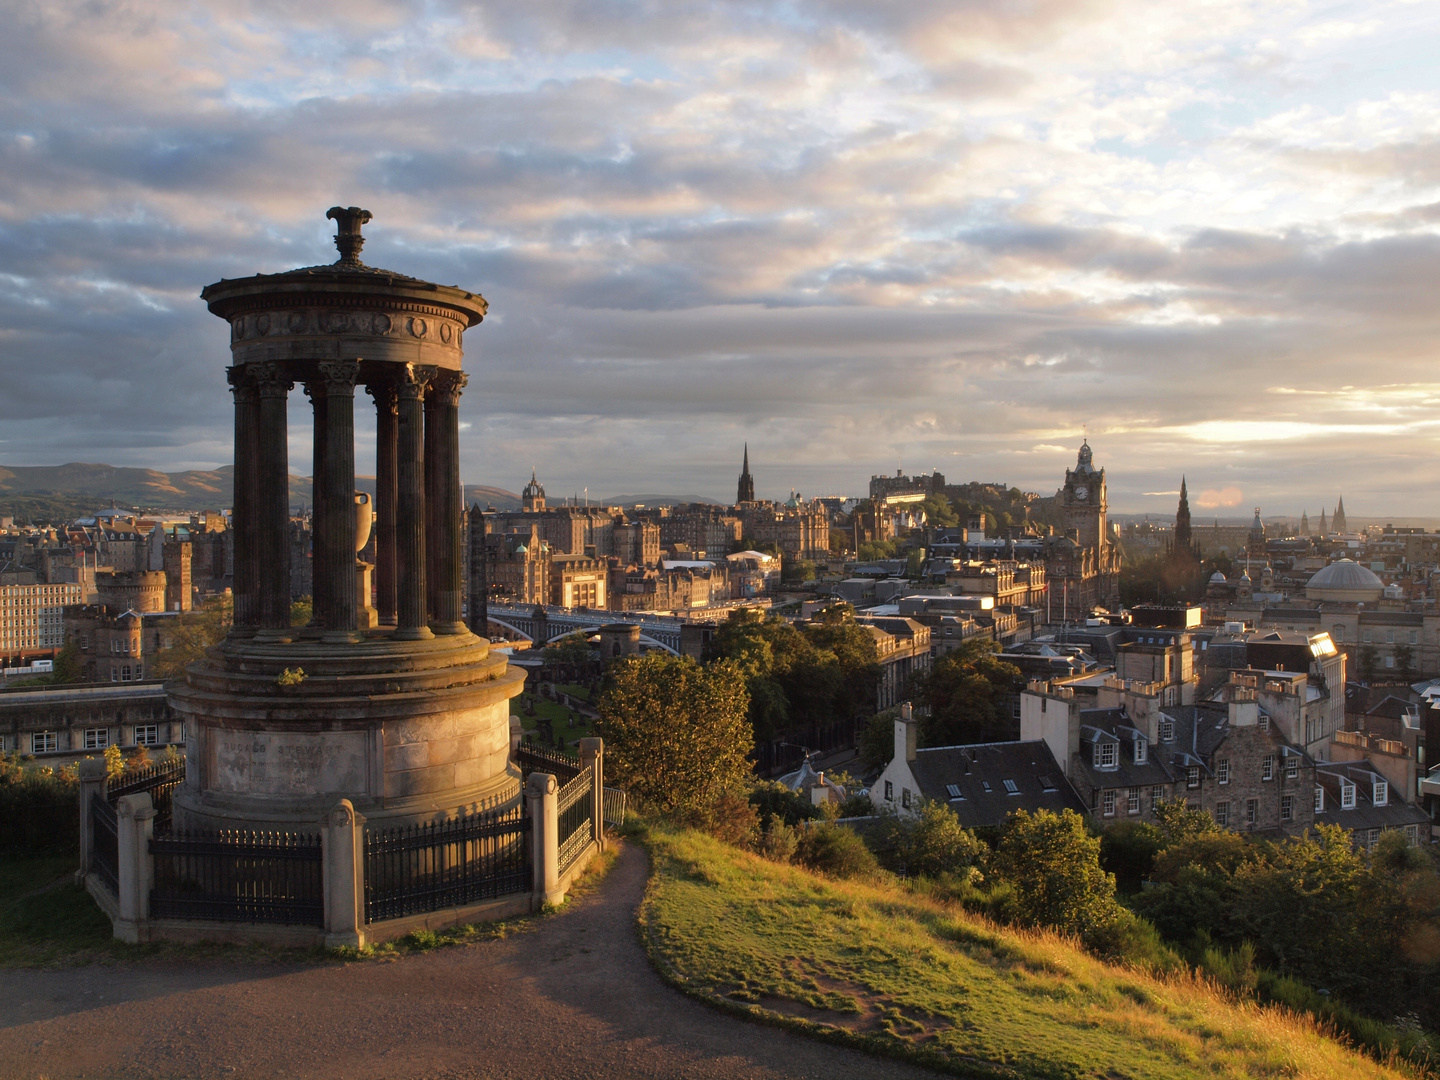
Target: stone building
x=32 y=613
x=578 y=581
x=902 y=647
x=61 y=723
x=1083 y=563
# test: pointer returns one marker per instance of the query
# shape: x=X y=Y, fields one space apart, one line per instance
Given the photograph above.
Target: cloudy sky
x=859 y=235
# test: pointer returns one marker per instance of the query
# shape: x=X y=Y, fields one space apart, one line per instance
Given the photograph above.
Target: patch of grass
x=873 y=966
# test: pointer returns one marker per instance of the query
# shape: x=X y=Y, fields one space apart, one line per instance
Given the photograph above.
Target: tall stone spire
x=745 y=490
x=1337 y=521
x=1304 y=523
x=1324 y=529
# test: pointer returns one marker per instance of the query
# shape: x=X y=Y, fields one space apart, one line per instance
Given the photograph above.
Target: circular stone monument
x=395 y=706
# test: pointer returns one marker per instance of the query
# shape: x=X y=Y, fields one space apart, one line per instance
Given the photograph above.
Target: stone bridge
x=547 y=624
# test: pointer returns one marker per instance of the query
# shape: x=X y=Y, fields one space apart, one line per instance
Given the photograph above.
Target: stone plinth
x=406 y=730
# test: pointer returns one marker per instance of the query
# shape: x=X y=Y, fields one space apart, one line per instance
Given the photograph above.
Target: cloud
x=1211 y=499
x=956 y=235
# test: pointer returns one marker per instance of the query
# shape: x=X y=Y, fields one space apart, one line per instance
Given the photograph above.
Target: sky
x=956 y=235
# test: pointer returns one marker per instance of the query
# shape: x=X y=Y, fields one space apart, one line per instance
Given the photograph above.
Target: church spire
x=1337 y=520
x=745 y=489
x=1184 y=545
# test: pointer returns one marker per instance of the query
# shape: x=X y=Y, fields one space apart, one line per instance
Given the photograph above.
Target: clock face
x=1082 y=493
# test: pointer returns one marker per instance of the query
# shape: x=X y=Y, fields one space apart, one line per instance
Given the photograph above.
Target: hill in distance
x=54 y=493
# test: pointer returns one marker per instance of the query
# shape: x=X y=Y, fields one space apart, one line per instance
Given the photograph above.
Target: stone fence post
x=92 y=786
x=342 y=840
x=592 y=753
x=544 y=810
x=135 y=824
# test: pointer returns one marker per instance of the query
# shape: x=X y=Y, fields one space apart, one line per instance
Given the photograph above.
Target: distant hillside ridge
x=79 y=489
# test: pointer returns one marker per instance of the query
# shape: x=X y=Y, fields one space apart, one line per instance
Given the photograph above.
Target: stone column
x=592 y=753
x=444 y=502
x=412 y=621
x=273 y=502
x=315 y=391
x=387 y=433
x=544 y=810
x=243 y=520
x=93 y=778
x=338 y=498
x=342 y=838
x=135 y=823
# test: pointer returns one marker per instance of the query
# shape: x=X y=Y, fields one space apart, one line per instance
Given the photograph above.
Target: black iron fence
x=160 y=780
x=418 y=868
x=105 y=844
x=574 y=803
x=540 y=759
x=235 y=876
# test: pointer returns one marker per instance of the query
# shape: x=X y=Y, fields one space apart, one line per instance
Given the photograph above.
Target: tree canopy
x=967 y=692
x=799 y=675
x=676 y=734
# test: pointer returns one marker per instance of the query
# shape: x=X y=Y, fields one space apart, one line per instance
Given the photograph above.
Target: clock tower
x=1082 y=502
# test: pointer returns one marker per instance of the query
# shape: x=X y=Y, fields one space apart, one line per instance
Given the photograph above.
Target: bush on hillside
x=836 y=851
x=677 y=735
x=39 y=807
x=777 y=841
x=1128 y=850
x=1054 y=865
x=932 y=843
x=772 y=799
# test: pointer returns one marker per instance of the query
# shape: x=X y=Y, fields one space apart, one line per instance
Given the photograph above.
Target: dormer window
x=1347 y=795
x=1380 y=793
x=1106 y=755
x=1141 y=749
x=1167 y=730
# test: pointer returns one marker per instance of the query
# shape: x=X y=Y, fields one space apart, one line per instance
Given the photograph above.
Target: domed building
x=1347 y=582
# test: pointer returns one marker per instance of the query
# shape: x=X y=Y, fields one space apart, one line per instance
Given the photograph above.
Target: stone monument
x=396 y=707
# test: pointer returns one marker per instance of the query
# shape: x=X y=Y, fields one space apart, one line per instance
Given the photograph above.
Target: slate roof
x=1395 y=814
x=1039 y=781
x=1098 y=725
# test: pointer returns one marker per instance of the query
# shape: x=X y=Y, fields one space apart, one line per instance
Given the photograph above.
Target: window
x=1412 y=834
x=1347 y=795
x=905 y=797
x=1287 y=807
x=1389 y=661
x=1132 y=801
x=1292 y=767
x=1414 y=637
x=1141 y=749
x=1264 y=722
x=1337 y=632
x=953 y=790
x=1366 y=637
x=1167 y=730
x=1389 y=637
x=1192 y=776
x=1222 y=770
x=1319 y=799
x=1222 y=814
x=97 y=738
x=124 y=672
x=1011 y=788
x=1267 y=768
x=147 y=735
x=1047 y=783
x=986 y=785
x=1380 y=793
x=1373 y=838
x=44 y=742
x=1157 y=796
x=1105 y=755
x=1252 y=811
x=889 y=791
x=1107 y=802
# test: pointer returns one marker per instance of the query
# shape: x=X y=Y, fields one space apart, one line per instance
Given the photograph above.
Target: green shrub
x=931 y=844
x=1054 y=864
x=836 y=851
x=39 y=807
x=732 y=818
x=1128 y=850
x=1233 y=969
x=774 y=800
x=1129 y=939
x=778 y=841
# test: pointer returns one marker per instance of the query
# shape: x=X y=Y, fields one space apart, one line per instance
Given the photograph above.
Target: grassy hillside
x=874 y=966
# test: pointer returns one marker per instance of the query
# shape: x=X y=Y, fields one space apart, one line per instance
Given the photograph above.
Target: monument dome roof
x=1346 y=574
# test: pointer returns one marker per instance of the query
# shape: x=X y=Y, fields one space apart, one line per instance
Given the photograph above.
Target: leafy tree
x=191 y=635
x=1053 y=863
x=836 y=851
x=967 y=692
x=1369 y=662
x=1404 y=663
x=797 y=570
x=676 y=733
x=873 y=550
x=1177 y=822
x=571 y=649
x=877 y=738
x=1128 y=850
x=940 y=512
x=930 y=844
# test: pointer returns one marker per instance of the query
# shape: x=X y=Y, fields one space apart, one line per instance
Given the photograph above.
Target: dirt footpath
x=573 y=998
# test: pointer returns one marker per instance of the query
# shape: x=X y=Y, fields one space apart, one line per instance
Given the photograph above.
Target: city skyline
x=935 y=238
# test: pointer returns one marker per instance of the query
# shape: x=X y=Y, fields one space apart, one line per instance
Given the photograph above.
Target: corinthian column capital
x=340 y=377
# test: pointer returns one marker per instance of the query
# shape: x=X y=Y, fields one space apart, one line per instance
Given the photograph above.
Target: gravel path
x=573 y=998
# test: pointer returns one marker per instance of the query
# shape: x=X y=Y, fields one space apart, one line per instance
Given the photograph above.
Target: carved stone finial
x=347 y=236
